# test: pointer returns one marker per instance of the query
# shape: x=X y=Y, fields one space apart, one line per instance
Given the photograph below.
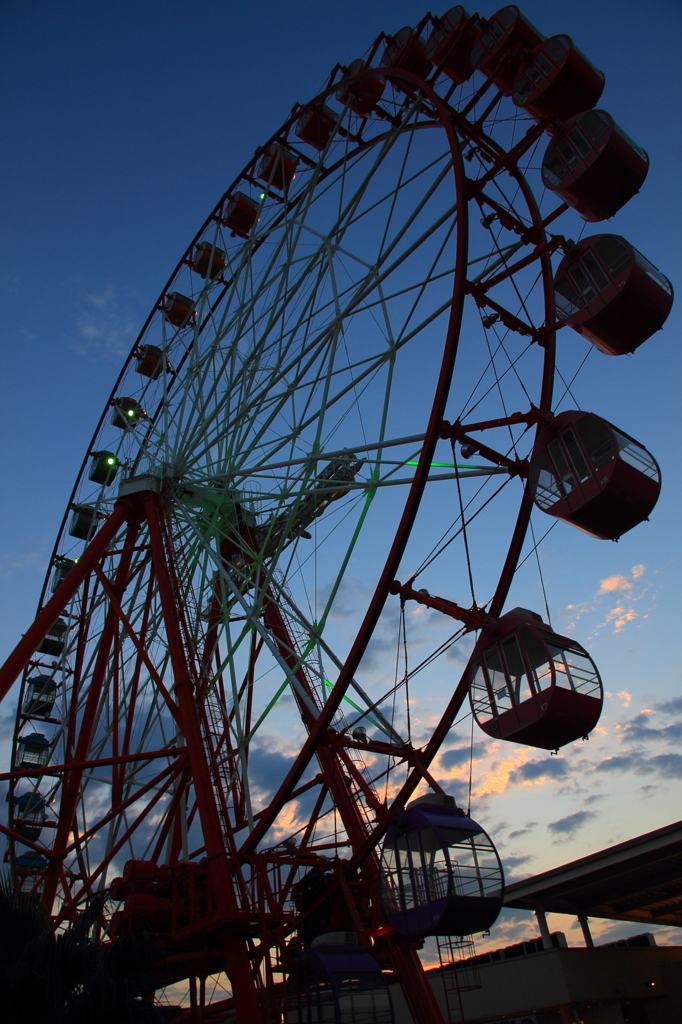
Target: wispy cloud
x=528 y=827
x=539 y=771
x=7 y=723
x=107 y=321
x=460 y=755
x=512 y=864
x=566 y=828
x=627 y=589
x=660 y=723
x=12 y=562
x=623 y=584
x=667 y=766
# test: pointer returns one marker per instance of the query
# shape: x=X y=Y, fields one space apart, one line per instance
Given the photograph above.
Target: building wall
x=604 y=986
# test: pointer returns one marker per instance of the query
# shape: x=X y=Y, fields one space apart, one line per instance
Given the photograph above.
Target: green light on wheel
x=131 y=412
x=111 y=462
x=354 y=705
x=262 y=195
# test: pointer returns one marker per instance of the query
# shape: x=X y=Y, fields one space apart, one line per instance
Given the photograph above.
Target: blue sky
x=122 y=125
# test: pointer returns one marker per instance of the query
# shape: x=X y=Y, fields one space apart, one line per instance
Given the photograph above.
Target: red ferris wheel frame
x=144 y=506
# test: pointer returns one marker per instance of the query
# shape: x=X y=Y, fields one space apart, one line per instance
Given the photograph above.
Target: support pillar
x=241 y=974
x=415 y=984
x=587 y=935
x=238 y=966
x=544 y=929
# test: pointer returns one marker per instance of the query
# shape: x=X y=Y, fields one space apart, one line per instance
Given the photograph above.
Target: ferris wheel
x=349 y=391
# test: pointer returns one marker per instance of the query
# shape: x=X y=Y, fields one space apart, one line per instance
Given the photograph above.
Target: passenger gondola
x=440 y=872
x=277 y=167
x=611 y=294
x=150 y=361
x=504 y=46
x=178 y=309
x=208 y=261
x=29 y=813
x=33 y=751
x=593 y=165
x=406 y=50
x=337 y=981
x=558 y=81
x=103 y=468
x=529 y=685
x=239 y=214
x=315 y=126
x=363 y=95
x=450 y=42
x=54 y=642
x=590 y=474
x=40 y=696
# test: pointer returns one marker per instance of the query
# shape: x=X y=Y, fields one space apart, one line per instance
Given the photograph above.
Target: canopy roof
x=639 y=880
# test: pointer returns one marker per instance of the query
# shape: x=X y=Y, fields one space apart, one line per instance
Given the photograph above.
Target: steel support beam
x=46 y=618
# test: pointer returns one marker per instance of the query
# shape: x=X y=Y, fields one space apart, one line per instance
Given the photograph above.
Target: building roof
x=639 y=880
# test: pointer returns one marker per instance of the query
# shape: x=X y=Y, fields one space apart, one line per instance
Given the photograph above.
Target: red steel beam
x=122 y=805
x=99 y=762
x=534 y=416
x=71 y=784
x=46 y=618
x=188 y=714
x=137 y=643
x=67 y=907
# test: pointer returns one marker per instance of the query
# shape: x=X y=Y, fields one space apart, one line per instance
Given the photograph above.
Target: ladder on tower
x=459 y=973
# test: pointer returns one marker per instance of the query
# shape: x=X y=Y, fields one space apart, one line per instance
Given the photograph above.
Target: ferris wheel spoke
x=253 y=617
x=315 y=633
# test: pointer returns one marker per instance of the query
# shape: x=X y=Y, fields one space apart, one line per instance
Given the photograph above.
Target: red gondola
x=558 y=81
x=504 y=46
x=277 y=167
x=608 y=292
x=531 y=686
x=208 y=260
x=440 y=872
x=150 y=361
x=316 y=125
x=240 y=214
x=594 y=166
x=407 y=51
x=450 y=41
x=362 y=95
x=178 y=309
x=593 y=476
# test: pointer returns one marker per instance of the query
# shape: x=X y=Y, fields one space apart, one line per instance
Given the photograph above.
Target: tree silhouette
x=64 y=977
